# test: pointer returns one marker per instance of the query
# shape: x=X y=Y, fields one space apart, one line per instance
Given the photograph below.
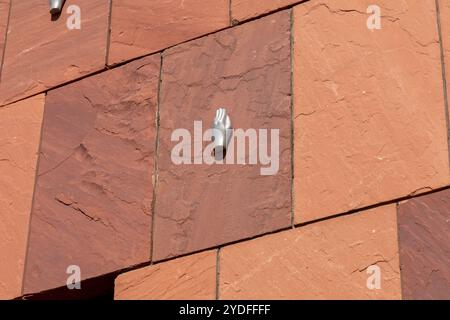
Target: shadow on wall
x=100 y=288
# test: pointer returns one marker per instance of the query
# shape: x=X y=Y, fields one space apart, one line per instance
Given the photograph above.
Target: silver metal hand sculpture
x=222 y=133
x=56 y=6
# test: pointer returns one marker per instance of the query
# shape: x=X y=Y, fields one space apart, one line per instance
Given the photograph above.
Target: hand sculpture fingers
x=221 y=114
x=221 y=134
x=217 y=118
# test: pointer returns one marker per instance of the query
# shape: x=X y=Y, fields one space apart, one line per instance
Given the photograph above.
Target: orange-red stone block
x=93 y=198
x=141 y=27
x=20 y=129
x=246 y=9
x=201 y=205
x=423 y=233
x=42 y=51
x=4 y=13
x=189 y=278
x=370 y=123
x=332 y=259
x=444 y=6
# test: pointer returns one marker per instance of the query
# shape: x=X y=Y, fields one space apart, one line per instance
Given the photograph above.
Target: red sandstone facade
x=87 y=178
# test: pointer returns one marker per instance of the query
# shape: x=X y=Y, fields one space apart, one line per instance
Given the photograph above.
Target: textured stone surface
x=188 y=278
x=141 y=27
x=424 y=229
x=94 y=190
x=444 y=7
x=20 y=128
x=246 y=9
x=369 y=110
x=324 y=260
x=4 y=12
x=199 y=205
x=42 y=53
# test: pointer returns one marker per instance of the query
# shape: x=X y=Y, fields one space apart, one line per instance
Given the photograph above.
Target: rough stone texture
x=246 y=9
x=4 y=12
x=198 y=205
x=369 y=110
x=424 y=228
x=42 y=53
x=141 y=27
x=444 y=7
x=324 y=260
x=94 y=189
x=20 y=128
x=189 y=278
